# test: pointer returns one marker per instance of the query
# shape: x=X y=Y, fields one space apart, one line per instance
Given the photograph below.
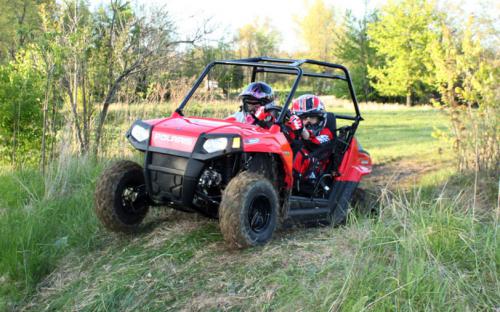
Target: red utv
x=239 y=173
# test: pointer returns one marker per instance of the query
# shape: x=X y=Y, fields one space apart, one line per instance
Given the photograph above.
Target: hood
x=181 y=133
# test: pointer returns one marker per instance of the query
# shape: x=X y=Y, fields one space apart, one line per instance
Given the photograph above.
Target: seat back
x=331 y=123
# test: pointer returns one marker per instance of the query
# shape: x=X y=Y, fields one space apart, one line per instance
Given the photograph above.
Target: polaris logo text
x=173 y=139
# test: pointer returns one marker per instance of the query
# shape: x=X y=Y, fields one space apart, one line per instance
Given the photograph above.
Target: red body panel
x=181 y=133
x=275 y=142
x=355 y=164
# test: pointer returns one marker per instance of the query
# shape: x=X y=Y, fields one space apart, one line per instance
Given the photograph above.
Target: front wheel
x=248 y=210
x=121 y=202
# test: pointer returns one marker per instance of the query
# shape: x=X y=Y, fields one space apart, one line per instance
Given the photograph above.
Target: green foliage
x=467 y=75
x=19 y=25
x=354 y=51
x=318 y=28
x=227 y=77
x=112 y=31
x=21 y=93
x=257 y=39
x=401 y=38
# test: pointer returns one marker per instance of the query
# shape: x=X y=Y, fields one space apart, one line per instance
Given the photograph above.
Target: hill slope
x=425 y=250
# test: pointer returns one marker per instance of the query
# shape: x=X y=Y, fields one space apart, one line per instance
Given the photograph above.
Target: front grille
x=169 y=161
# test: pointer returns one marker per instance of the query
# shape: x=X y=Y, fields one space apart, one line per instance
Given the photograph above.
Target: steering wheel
x=276 y=110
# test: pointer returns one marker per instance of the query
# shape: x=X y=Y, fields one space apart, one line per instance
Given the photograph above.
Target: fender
x=356 y=164
x=274 y=142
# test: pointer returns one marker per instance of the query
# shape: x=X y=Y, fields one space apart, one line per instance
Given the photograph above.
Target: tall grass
x=42 y=217
x=425 y=254
x=420 y=254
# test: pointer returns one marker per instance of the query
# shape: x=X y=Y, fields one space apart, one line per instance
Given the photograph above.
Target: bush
x=21 y=93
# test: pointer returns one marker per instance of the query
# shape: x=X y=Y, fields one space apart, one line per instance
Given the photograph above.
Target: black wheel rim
x=132 y=200
x=259 y=216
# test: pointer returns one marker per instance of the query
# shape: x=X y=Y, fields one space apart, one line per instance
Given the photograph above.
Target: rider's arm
x=324 y=137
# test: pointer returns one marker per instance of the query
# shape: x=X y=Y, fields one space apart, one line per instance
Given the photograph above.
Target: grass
x=42 y=217
x=417 y=255
x=403 y=134
x=425 y=251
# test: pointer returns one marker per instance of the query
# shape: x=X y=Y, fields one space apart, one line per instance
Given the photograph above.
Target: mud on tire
x=248 y=210
x=120 y=204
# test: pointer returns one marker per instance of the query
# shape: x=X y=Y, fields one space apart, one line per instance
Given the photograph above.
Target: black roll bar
x=281 y=66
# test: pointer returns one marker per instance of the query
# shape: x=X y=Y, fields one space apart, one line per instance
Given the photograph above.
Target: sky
x=226 y=16
x=231 y=15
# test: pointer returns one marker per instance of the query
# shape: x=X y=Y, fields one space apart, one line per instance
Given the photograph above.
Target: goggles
x=252 y=101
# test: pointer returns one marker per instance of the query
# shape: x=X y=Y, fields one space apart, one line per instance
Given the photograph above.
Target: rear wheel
x=340 y=203
x=121 y=202
x=248 y=210
x=339 y=215
x=364 y=202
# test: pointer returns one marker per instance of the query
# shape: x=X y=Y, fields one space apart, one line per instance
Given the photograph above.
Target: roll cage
x=286 y=67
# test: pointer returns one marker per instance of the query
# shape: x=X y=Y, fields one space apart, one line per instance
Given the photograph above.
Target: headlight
x=139 y=133
x=215 y=145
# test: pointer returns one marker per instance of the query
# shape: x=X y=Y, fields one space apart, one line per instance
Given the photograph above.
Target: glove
x=305 y=134
x=261 y=113
x=295 y=123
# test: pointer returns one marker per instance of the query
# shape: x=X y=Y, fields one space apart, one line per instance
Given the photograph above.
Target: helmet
x=308 y=105
x=257 y=93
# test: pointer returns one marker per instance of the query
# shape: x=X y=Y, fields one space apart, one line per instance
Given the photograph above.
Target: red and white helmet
x=308 y=105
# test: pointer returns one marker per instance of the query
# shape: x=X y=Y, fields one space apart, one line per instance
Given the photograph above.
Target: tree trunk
x=53 y=127
x=17 y=108
x=105 y=106
x=72 y=98
x=85 y=111
x=112 y=86
x=45 y=114
x=408 y=98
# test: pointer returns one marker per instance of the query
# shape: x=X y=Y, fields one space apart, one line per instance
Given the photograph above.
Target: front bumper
x=172 y=176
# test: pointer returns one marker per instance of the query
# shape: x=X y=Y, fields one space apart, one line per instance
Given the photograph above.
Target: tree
x=318 y=31
x=401 y=37
x=50 y=53
x=354 y=51
x=133 y=45
x=19 y=24
x=104 y=50
x=257 y=39
x=74 y=34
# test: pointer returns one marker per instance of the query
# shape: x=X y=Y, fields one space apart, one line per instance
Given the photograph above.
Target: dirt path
x=399 y=173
